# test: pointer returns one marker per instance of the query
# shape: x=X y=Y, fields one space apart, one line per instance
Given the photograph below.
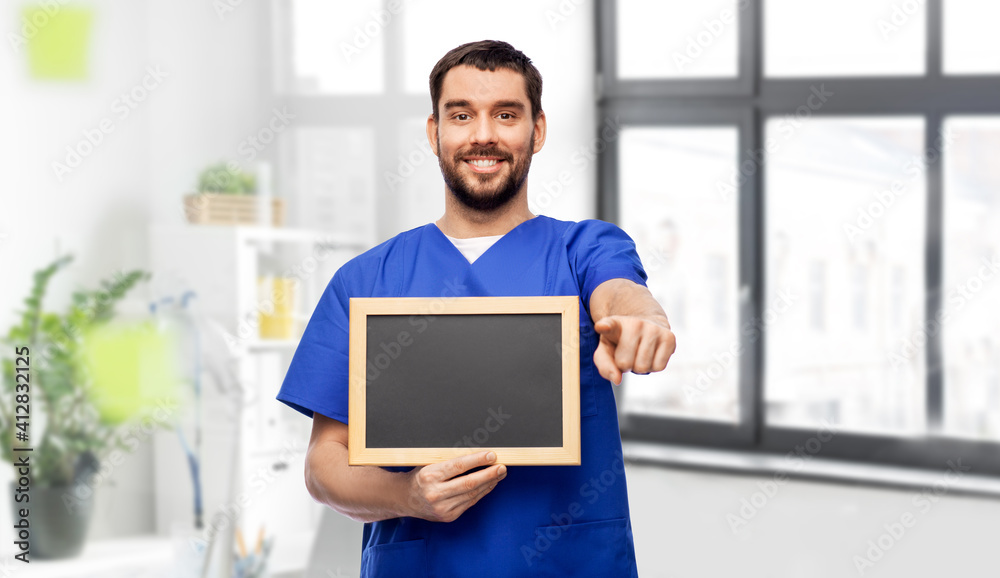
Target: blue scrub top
x=539 y=520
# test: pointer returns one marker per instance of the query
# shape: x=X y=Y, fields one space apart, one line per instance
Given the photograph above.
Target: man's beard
x=493 y=198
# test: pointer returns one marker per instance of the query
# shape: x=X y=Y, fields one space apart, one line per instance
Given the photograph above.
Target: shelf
x=253 y=234
x=223 y=265
x=271 y=344
x=132 y=557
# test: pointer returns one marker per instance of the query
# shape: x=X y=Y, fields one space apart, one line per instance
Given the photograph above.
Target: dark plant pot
x=58 y=517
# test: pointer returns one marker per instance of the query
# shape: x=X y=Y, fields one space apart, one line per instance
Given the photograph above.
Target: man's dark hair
x=489 y=55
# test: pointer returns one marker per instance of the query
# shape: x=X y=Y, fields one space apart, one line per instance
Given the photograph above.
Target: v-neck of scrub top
x=514 y=252
x=474 y=247
x=500 y=270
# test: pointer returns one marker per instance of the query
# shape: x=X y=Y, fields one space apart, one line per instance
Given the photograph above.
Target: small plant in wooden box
x=226 y=197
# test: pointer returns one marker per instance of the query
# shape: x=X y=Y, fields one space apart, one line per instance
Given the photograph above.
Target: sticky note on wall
x=58 y=40
x=133 y=368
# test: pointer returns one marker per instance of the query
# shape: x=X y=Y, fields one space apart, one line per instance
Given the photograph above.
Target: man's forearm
x=623 y=297
x=362 y=493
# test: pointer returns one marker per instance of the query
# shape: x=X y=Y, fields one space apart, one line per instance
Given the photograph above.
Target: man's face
x=485 y=136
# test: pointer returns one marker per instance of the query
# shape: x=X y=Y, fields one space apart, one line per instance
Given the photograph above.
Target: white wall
x=206 y=99
x=214 y=98
x=98 y=212
x=681 y=524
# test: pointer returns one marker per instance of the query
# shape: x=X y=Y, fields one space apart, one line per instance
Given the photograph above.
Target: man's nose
x=485 y=132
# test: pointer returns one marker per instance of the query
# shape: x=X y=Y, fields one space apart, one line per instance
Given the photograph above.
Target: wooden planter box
x=227 y=209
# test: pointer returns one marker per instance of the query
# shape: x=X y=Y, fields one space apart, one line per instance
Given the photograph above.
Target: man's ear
x=540 y=129
x=432 y=133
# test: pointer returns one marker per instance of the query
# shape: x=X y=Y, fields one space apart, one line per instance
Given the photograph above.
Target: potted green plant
x=226 y=178
x=66 y=454
x=225 y=196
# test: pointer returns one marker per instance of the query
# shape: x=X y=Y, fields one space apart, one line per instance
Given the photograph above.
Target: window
x=831 y=199
x=971 y=279
x=690 y=272
x=337 y=48
x=703 y=38
x=817 y=295
x=335 y=166
x=843 y=277
x=971 y=45
x=859 y=291
x=809 y=38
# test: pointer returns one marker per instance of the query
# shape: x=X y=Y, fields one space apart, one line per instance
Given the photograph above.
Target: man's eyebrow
x=461 y=103
x=515 y=104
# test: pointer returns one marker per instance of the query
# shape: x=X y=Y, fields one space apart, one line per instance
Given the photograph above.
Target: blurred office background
x=811 y=186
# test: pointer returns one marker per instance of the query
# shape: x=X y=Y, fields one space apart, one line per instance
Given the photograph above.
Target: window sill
x=817 y=469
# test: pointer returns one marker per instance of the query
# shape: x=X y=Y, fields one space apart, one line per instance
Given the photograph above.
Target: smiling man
x=471 y=516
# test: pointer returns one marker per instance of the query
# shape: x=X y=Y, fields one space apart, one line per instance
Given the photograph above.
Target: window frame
x=746 y=102
x=741 y=85
x=345 y=111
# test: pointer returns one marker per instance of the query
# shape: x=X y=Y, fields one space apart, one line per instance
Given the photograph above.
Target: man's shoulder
x=360 y=273
x=572 y=231
x=577 y=227
x=385 y=249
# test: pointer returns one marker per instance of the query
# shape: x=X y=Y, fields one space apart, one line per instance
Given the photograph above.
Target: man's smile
x=484 y=164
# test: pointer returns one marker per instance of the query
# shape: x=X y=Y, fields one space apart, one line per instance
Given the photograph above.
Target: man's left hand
x=630 y=343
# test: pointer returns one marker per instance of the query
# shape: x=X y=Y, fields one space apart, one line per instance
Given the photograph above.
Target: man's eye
x=506 y=116
x=461 y=116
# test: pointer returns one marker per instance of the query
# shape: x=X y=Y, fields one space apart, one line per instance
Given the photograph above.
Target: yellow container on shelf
x=276 y=302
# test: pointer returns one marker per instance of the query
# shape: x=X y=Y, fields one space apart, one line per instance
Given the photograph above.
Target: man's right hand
x=438 y=492
x=441 y=493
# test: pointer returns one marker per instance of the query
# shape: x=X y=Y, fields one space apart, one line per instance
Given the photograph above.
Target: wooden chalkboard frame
x=568 y=307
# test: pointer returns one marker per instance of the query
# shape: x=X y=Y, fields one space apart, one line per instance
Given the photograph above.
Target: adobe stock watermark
x=122 y=107
x=711 y=30
x=70 y=332
x=40 y=18
x=786 y=129
x=256 y=486
x=495 y=419
x=249 y=325
x=5 y=571
x=248 y=149
x=255 y=143
x=796 y=459
x=562 y=12
x=915 y=168
x=365 y=34
x=589 y=493
x=392 y=350
x=957 y=298
x=899 y=16
x=582 y=158
x=409 y=162
x=897 y=529
x=224 y=8
x=135 y=434
x=753 y=330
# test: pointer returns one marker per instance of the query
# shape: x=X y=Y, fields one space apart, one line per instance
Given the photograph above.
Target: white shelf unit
x=252 y=456
x=137 y=557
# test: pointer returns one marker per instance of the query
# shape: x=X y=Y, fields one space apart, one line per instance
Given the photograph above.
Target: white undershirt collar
x=474 y=247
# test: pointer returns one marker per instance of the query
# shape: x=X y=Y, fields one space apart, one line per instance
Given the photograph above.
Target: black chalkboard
x=434 y=380
x=454 y=385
